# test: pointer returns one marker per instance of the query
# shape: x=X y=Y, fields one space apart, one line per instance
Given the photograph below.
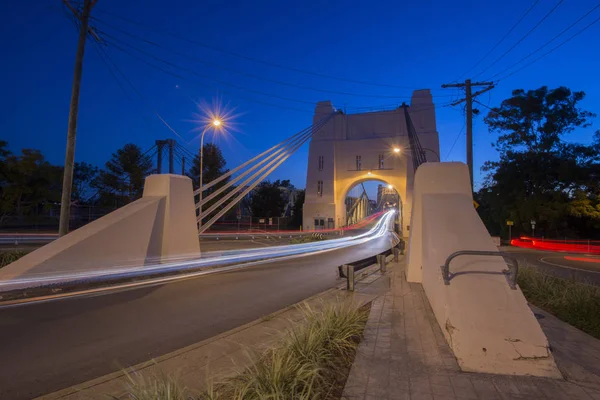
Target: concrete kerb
x=116 y=381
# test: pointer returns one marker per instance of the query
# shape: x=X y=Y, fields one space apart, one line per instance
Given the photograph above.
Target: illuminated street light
x=218 y=126
x=396 y=150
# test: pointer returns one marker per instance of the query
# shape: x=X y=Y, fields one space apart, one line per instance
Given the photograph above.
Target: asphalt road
x=581 y=267
x=49 y=346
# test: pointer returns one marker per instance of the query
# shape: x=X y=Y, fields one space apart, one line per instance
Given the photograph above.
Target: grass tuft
x=153 y=387
x=312 y=361
x=573 y=302
x=305 y=239
x=7 y=257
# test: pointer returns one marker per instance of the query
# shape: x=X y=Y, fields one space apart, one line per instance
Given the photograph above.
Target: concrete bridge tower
x=354 y=148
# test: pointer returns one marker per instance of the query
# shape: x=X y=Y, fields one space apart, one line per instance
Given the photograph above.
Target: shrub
x=8 y=257
x=153 y=387
x=571 y=301
x=312 y=361
x=306 y=239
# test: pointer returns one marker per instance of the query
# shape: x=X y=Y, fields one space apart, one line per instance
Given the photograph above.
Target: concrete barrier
x=489 y=327
x=160 y=225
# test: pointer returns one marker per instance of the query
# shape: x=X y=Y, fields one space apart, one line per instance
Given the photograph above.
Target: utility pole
x=469 y=108
x=65 y=205
x=182 y=165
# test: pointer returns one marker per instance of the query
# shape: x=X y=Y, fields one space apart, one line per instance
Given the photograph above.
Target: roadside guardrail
x=349 y=270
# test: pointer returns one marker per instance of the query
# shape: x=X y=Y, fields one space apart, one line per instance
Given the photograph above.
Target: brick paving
x=404 y=355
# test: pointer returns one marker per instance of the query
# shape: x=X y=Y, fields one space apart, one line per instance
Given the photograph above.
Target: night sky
x=394 y=44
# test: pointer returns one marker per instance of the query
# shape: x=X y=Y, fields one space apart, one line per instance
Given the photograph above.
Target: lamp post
x=215 y=123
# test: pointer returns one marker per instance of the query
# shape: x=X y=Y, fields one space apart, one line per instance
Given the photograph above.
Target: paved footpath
x=217 y=358
x=404 y=355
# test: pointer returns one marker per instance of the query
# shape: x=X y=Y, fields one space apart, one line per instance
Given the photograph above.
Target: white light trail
x=231 y=259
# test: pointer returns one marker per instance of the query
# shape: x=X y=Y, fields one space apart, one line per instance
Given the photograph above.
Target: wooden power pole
x=469 y=109
x=65 y=204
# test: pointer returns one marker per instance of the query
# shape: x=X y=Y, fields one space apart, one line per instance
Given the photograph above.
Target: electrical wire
x=193 y=72
x=552 y=50
x=548 y=42
x=457 y=137
x=500 y=41
x=522 y=38
x=243 y=73
x=185 y=151
x=118 y=81
x=268 y=63
x=139 y=93
x=179 y=76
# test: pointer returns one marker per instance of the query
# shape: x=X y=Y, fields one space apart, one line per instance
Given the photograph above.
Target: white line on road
x=564 y=266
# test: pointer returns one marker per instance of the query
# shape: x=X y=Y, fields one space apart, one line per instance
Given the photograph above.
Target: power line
x=552 y=50
x=179 y=76
x=500 y=41
x=548 y=42
x=240 y=72
x=269 y=63
x=456 y=139
x=139 y=93
x=522 y=38
x=118 y=81
x=169 y=63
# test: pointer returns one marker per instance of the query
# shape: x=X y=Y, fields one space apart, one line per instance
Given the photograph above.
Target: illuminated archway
x=354 y=148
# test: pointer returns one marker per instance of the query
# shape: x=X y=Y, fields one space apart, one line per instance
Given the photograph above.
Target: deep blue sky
x=420 y=44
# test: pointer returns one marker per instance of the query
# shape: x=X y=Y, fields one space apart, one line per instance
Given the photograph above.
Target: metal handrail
x=510 y=273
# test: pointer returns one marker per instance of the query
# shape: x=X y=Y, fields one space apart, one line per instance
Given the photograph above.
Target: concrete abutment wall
x=488 y=325
x=159 y=226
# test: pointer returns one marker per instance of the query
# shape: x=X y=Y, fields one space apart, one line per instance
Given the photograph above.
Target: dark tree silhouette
x=122 y=180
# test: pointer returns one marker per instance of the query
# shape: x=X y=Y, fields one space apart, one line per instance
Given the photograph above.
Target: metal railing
x=510 y=273
x=349 y=270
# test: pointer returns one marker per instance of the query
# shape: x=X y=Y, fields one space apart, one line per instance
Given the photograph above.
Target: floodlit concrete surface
x=160 y=224
x=178 y=234
x=404 y=355
x=488 y=326
x=46 y=347
x=354 y=148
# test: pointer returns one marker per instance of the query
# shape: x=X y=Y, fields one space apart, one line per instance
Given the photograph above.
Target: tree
x=83 y=177
x=122 y=180
x=213 y=166
x=4 y=154
x=297 y=210
x=29 y=182
x=536 y=120
x=539 y=173
x=267 y=200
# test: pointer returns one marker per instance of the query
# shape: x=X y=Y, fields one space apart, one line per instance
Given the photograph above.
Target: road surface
x=581 y=267
x=45 y=347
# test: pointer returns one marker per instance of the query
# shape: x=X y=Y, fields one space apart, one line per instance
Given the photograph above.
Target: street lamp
x=397 y=150
x=216 y=124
